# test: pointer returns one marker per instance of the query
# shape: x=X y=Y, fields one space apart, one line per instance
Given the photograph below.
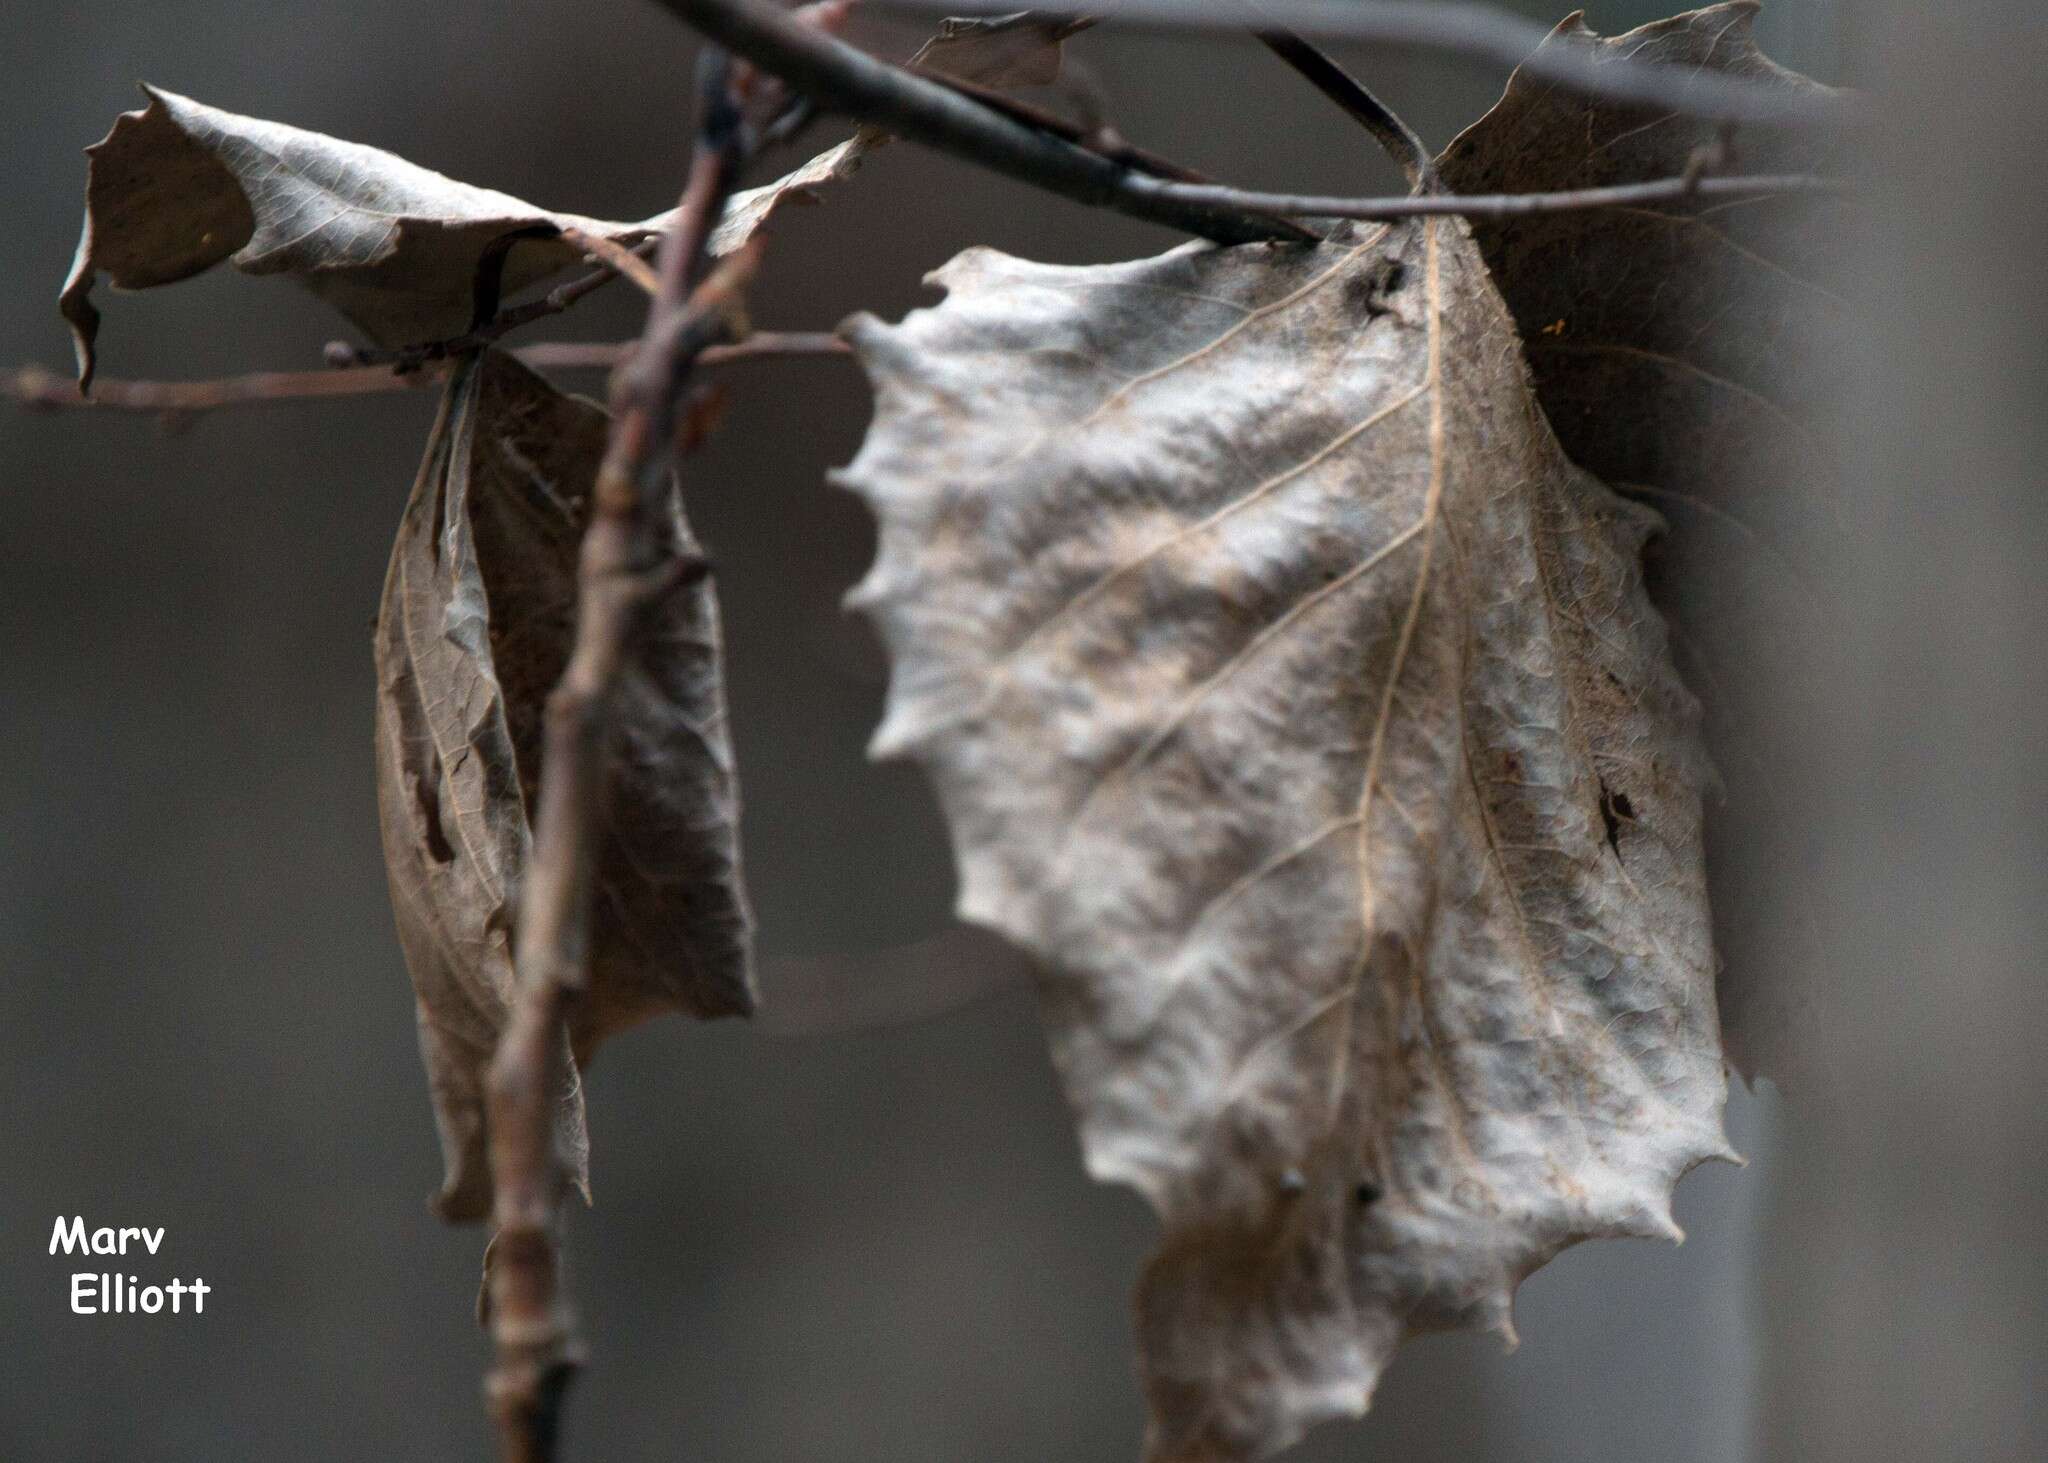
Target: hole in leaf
x=1615 y=809
x=438 y=846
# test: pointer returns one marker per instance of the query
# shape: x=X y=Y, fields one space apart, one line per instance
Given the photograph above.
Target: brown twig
x=1509 y=205
x=1350 y=94
x=616 y=257
x=1097 y=140
x=35 y=388
x=837 y=76
x=841 y=78
x=562 y=297
x=623 y=569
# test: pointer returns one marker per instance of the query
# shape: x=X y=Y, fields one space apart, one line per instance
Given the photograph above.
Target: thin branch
x=616 y=257
x=762 y=345
x=841 y=78
x=626 y=565
x=1350 y=94
x=35 y=388
x=837 y=76
x=562 y=297
x=1480 y=32
x=1506 y=205
x=1100 y=141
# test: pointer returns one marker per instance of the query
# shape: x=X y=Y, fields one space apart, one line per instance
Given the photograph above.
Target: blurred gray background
x=818 y=1244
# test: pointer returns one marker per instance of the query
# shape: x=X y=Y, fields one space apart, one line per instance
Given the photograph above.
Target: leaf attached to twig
x=179 y=186
x=474 y=632
x=404 y=253
x=1021 y=49
x=1001 y=52
x=1682 y=352
x=399 y=250
x=1297 y=704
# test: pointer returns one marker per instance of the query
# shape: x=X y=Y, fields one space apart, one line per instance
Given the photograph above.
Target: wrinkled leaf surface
x=1298 y=705
x=179 y=186
x=1682 y=351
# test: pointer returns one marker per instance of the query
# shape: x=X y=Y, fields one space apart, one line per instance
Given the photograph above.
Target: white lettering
x=115 y=1294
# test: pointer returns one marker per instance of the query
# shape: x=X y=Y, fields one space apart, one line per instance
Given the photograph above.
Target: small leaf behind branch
x=1003 y=52
x=474 y=632
x=1006 y=51
x=1298 y=705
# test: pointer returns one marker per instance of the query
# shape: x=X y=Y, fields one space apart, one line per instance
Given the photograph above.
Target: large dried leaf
x=179 y=186
x=1681 y=351
x=398 y=249
x=1297 y=704
x=474 y=632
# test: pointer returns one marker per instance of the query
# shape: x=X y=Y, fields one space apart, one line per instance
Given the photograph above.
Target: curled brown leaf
x=474 y=632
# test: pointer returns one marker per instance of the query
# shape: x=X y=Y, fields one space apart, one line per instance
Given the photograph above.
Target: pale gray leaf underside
x=1297 y=704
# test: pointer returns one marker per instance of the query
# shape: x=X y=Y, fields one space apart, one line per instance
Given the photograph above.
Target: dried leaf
x=746 y=212
x=1002 y=52
x=179 y=186
x=1020 y=49
x=1297 y=704
x=1681 y=351
x=474 y=632
x=398 y=249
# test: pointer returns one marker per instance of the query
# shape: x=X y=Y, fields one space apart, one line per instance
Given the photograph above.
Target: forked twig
x=623 y=570
x=838 y=77
x=616 y=257
x=1340 y=86
x=841 y=78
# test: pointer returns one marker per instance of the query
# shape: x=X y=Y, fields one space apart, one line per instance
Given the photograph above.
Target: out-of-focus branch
x=562 y=297
x=626 y=565
x=834 y=75
x=1510 y=205
x=622 y=261
x=1463 y=28
x=840 y=78
x=36 y=389
x=1350 y=94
